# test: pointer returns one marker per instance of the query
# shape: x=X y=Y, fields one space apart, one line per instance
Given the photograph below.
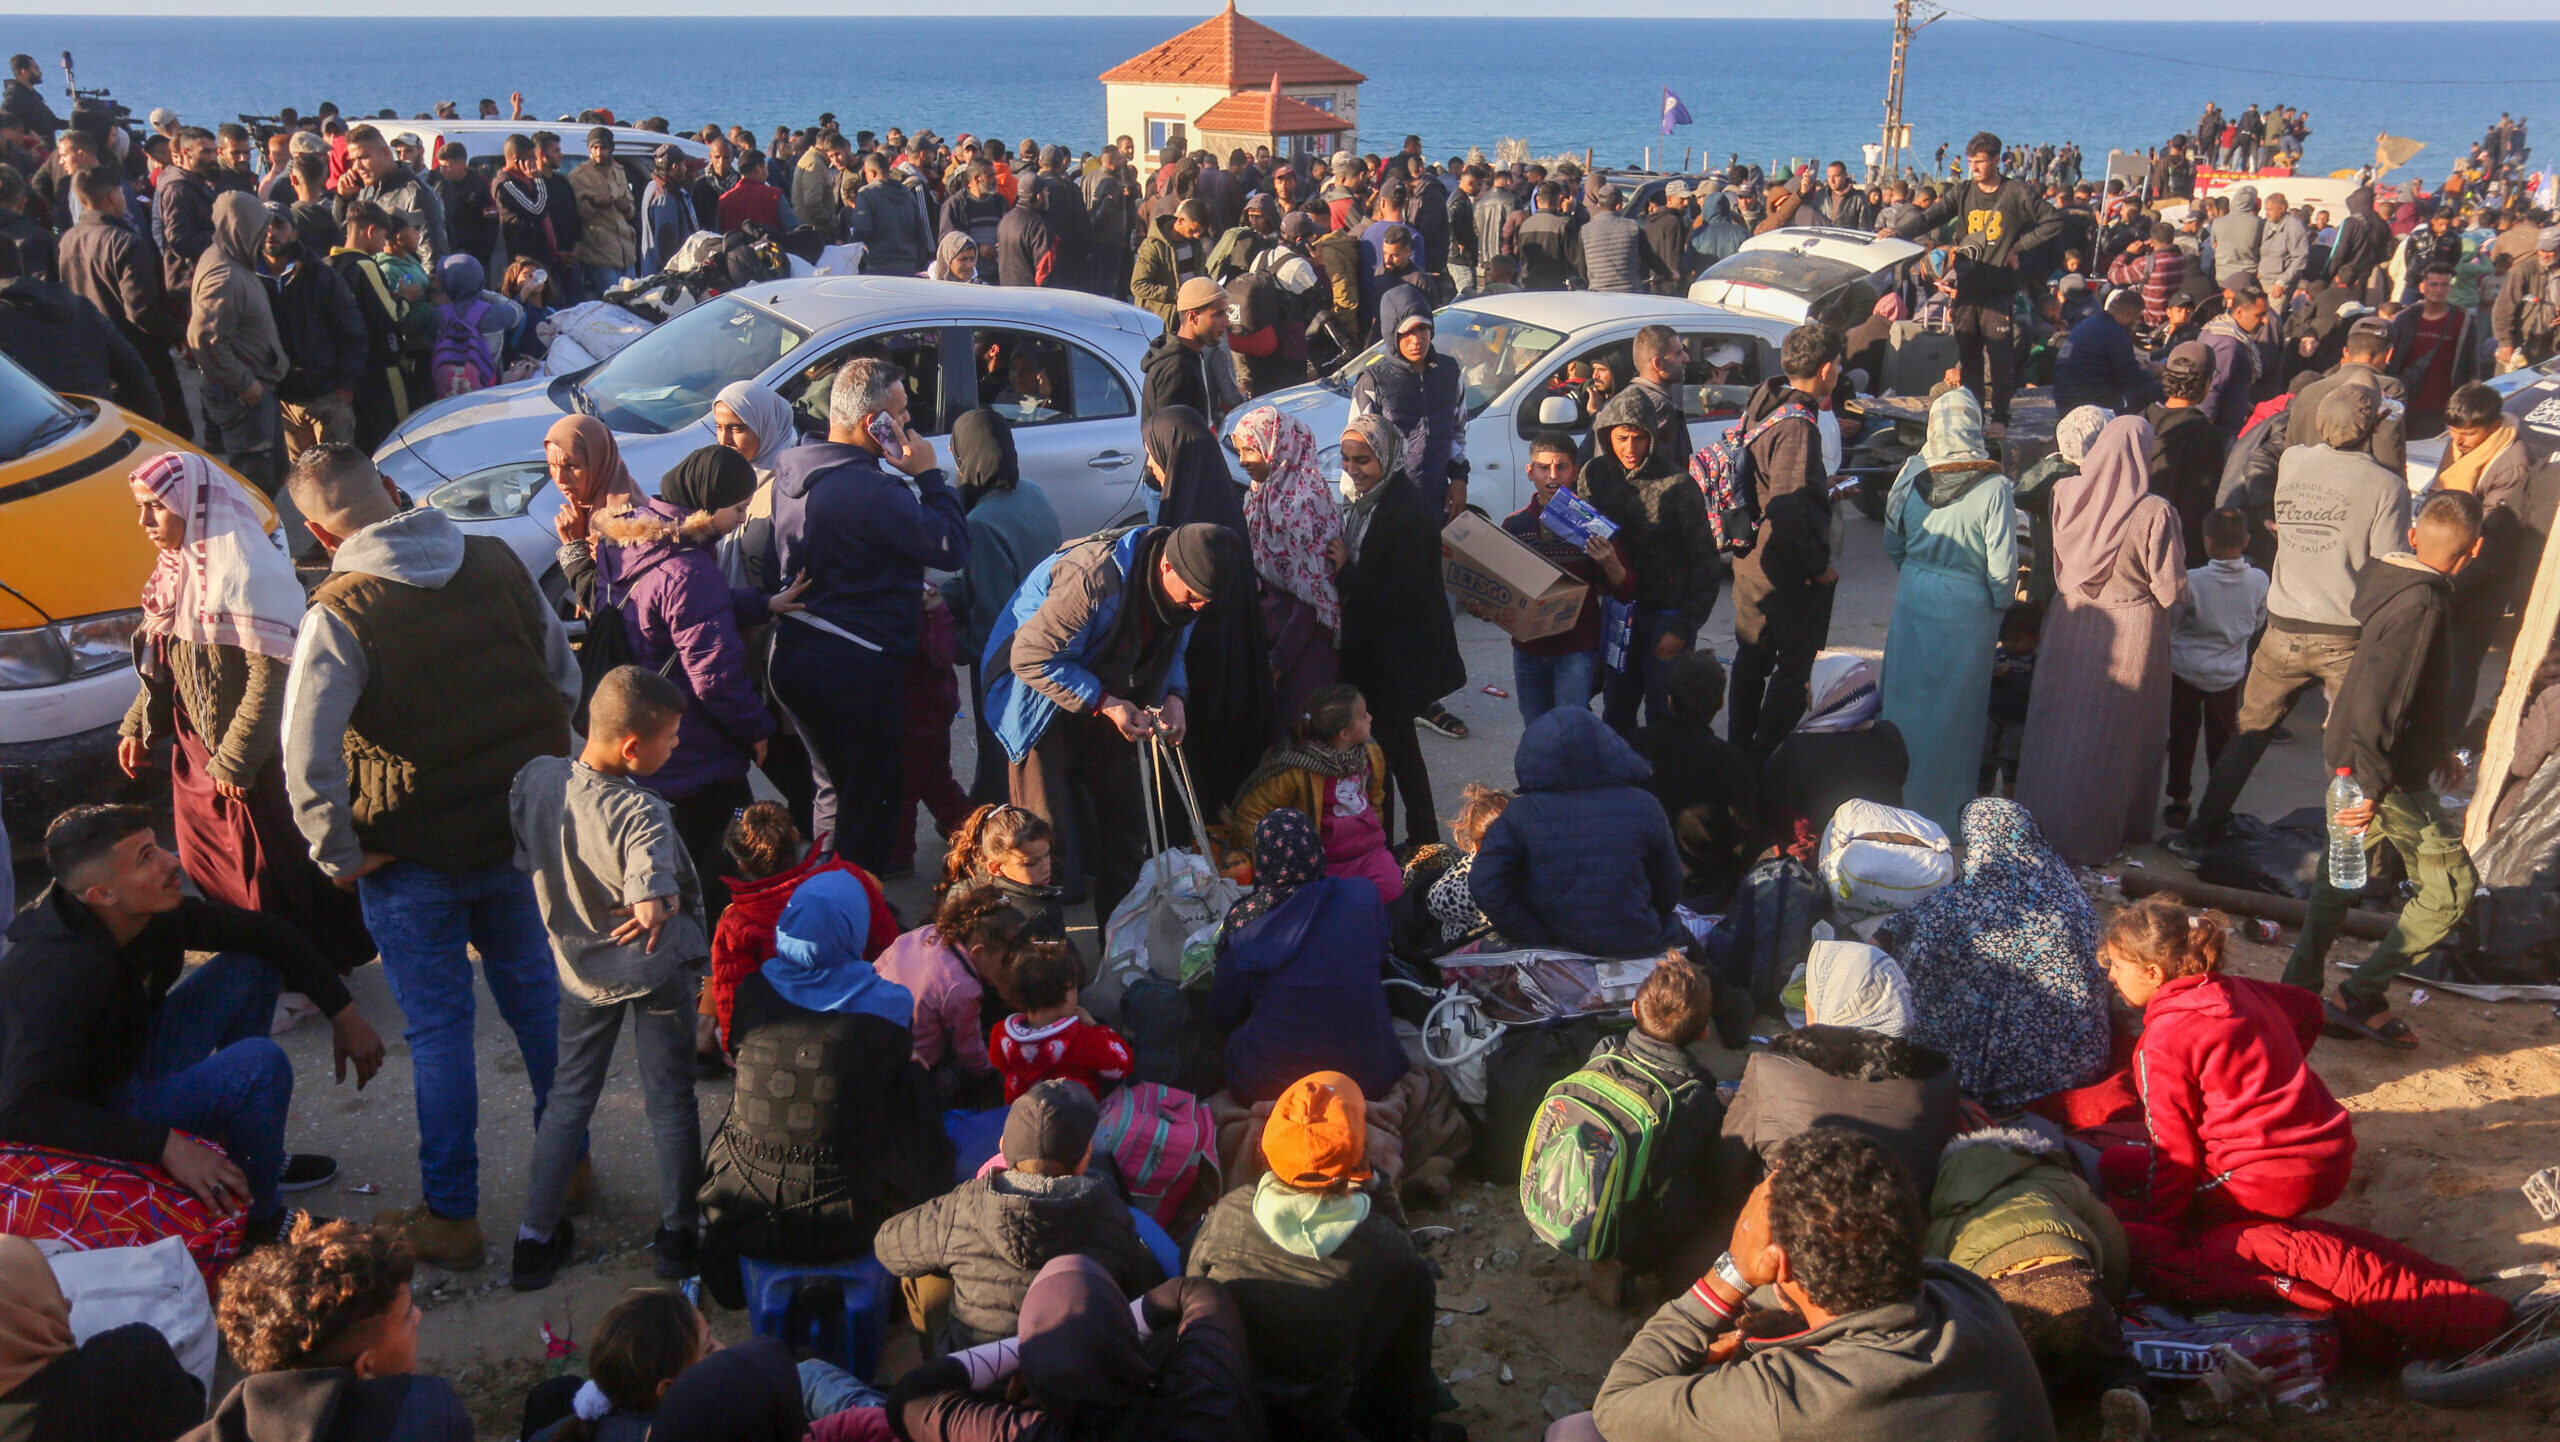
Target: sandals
x=2368 y=1021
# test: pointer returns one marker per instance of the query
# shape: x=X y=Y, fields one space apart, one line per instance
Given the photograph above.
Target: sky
x=2163 y=10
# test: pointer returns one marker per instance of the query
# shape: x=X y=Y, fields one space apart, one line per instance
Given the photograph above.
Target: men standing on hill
x=2002 y=219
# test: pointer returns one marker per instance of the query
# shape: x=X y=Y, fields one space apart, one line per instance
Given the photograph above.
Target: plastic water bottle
x=2346 y=848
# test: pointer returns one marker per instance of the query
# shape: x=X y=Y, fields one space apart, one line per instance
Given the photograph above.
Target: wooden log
x=2370 y=925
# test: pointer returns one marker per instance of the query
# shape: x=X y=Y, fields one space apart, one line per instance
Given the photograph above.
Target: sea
x=1763 y=90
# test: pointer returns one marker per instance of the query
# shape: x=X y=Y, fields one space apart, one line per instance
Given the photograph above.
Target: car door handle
x=1111 y=461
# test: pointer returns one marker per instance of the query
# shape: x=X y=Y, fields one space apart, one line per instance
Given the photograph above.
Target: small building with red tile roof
x=1231 y=82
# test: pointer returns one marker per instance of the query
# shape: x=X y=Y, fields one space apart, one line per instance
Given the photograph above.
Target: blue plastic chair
x=1159 y=1242
x=850 y=1337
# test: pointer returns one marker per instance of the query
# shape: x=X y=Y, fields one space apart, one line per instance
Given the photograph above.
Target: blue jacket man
x=2098 y=366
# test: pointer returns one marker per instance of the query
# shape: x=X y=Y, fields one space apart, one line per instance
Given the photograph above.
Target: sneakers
x=1439 y=719
x=278 y=1228
x=453 y=1243
x=305 y=1170
x=537 y=1264
x=676 y=1247
x=582 y=1188
x=2187 y=846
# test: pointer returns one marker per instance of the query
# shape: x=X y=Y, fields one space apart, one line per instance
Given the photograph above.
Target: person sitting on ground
x=1583 y=858
x=1013 y=850
x=1330 y=770
x=1449 y=902
x=124 y=1382
x=1672 y=1010
x=773 y=860
x=1171 y=1367
x=954 y=966
x=1709 y=787
x=2010 y=1206
x=1852 y=1064
x=834 y=1129
x=1337 y=1304
x=1842 y=750
x=2241 y=1126
x=2003 y=962
x=326 y=1328
x=110 y=1047
x=1871 y=1341
x=623 y=905
x=1049 y=1035
x=752 y=1392
x=641 y=1344
x=1296 y=987
x=965 y=1259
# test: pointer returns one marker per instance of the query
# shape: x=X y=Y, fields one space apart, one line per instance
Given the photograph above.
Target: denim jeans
x=826 y=1389
x=247 y=436
x=595 y=280
x=210 y=1068
x=427 y=921
x=662 y=1039
x=1647 y=677
x=1544 y=683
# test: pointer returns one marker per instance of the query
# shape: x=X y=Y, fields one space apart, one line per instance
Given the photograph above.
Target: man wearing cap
x=1337 y=1304
x=965 y=1259
x=1609 y=250
x=2336 y=508
x=2187 y=450
x=2526 y=317
x=1177 y=362
x=1084 y=662
x=2364 y=366
x=2001 y=219
x=1421 y=393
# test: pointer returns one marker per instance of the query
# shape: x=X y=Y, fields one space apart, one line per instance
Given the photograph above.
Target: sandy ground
x=2447 y=1134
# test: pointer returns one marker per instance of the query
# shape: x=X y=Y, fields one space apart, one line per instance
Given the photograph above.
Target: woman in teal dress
x=1951 y=528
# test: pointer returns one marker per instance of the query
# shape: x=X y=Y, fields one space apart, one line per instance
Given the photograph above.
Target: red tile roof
x=1268 y=113
x=1229 y=50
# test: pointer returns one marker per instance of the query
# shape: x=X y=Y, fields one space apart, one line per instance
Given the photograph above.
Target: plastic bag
x=1878 y=858
x=2279 y=859
x=2301 y=1352
x=157 y=1285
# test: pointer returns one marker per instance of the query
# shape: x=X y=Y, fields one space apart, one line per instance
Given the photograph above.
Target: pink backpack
x=1163 y=1142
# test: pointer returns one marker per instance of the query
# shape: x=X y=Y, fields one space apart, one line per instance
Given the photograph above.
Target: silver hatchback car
x=1064 y=367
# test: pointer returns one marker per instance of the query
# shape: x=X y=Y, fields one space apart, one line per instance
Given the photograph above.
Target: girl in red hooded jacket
x=2241 y=1127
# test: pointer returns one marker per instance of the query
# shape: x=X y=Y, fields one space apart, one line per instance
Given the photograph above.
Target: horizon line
x=1834 y=12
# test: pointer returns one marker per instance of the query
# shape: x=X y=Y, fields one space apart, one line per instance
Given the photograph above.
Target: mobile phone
x=884 y=429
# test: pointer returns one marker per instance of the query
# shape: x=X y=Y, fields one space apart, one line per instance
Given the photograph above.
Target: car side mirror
x=1562 y=413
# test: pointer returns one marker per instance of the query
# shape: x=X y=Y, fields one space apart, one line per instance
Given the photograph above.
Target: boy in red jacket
x=2241 y=1127
x=1049 y=1035
x=772 y=861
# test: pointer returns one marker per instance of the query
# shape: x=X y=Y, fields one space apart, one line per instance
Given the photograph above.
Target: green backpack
x=1590 y=1149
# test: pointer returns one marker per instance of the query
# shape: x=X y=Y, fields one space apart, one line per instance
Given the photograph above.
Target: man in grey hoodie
x=231 y=329
x=2336 y=508
x=2235 y=239
x=428 y=672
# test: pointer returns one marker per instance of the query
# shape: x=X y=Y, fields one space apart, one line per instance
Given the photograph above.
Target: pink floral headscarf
x=230 y=584
x=1292 y=516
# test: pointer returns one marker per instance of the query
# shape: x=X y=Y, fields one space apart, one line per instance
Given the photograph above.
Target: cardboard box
x=1504 y=581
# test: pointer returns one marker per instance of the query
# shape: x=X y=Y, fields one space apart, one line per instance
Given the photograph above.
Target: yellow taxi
x=72 y=564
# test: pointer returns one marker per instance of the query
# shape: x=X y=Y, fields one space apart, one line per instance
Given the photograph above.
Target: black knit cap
x=1192 y=551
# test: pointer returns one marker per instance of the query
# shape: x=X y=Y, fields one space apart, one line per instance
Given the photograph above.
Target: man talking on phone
x=861 y=516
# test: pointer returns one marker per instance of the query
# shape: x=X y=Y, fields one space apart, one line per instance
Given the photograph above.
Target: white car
x=487 y=140
x=1789 y=274
x=1064 y=367
x=1515 y=351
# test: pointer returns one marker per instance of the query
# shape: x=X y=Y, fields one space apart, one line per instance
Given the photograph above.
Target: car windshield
x=1491 y=353
x=1806 y=277
x=32 y=417
x=667 y=379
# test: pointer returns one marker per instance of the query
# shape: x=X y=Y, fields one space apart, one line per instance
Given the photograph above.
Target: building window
x=1320 y=102
x=1164 y=130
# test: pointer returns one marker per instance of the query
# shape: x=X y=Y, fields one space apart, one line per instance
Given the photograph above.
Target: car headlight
x=493 y=494
x=66 y=650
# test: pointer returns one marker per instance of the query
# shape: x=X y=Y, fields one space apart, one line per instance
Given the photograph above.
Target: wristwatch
x=1731 y=1275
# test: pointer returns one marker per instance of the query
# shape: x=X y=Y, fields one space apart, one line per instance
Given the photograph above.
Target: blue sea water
x=1765 y=89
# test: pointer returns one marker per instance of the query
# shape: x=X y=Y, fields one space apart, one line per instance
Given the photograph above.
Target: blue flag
x=1673 y=112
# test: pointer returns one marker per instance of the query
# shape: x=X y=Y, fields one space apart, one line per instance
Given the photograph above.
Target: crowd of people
x=410 y=760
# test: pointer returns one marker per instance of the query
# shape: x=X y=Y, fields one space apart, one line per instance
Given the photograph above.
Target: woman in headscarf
x=1297 y=986
x=1292 y=519
x=1841 y=751
x=1398 y=644
x=956 y=259
x=1012 y=528
x=1951 y=530
x=747 y=1393
x=1855 y=1063
x=586 y=468
x=861 y=1138
x=1090 y=1364
x=220 y=615
x=2004 y=969
x=2098 y=725
x=2034 y=493
x=123 y=1383
x=657 y=564
x=1233 y=719
x=752 y=420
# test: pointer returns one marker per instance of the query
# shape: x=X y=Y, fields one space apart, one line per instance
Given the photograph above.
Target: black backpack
x=608 y=644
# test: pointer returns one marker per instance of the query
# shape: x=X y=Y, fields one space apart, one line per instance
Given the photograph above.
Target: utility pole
x=1905 y=25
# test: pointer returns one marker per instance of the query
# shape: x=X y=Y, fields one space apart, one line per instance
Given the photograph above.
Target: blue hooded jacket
x=1017 y=712
x=1583 y=859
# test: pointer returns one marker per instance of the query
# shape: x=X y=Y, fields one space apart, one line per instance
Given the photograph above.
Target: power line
x=2233 y=69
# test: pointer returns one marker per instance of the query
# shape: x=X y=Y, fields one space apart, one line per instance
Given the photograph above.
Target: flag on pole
x=1673 y=112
